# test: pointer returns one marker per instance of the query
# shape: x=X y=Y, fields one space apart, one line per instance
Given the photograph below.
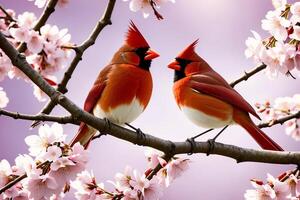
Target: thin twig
x=49 y=9
x=8 y=16
x=280 y=120
x=237 y=153
x=62 y=86
x=42 y=117
x=247 y=75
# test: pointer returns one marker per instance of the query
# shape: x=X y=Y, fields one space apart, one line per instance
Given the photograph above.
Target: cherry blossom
x=280 y=51
x=5 y=65
x=261 y=192
x=27 y=20
x=47 y=136
x=154 y=158
x=175 y=168
x=282 y=107
x=254 y=47
x=41 y=186
x=145 y=6
x=3 y=98
x=42 y=3
x=279 y=4
x=276 y=25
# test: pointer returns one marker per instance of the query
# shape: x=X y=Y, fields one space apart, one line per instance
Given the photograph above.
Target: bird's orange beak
x=150 y=54
x=174 y=65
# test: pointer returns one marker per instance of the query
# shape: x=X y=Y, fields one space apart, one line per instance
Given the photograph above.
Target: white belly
x=203 y=120
x=121 y=114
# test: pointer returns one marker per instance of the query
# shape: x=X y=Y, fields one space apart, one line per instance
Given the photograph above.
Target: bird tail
x=258 y=135
x=84 y=135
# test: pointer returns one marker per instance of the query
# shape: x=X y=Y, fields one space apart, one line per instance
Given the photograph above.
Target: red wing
x=222 y=92
x=97 y=89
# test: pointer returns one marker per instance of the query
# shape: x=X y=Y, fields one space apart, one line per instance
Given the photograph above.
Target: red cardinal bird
x=123 y=88
x=209 y=101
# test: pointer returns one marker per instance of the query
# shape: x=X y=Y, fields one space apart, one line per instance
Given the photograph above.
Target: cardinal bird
x=123 y=88
x=209 y=101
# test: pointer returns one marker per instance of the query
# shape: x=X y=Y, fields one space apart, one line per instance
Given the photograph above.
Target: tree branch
x=166 y=146
x=240 y=154
x=49 y=9
x=280 y=120
x=104 y=21
x=247 y=75
x=41 y=117
x=7 y=15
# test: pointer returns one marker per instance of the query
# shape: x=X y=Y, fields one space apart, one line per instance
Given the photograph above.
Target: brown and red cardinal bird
x=123 y=88
x=209 y=101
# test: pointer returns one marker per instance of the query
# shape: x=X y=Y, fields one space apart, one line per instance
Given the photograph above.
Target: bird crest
x=134 y=37
x=189 y=52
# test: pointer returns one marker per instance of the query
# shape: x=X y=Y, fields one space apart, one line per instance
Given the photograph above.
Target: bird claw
x=211 y=144
x=193 y=144
x=140 y=136
x=107 y=127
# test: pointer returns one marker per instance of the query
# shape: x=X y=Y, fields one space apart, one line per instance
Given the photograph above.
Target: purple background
x=222 y=27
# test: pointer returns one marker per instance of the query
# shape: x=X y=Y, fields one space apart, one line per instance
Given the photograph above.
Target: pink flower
x=23 y=164
x=61 y=162
x=3 y=98
x=281 y=188
x=154 y=191
x=175 y=168
x=47 y=136
x=41 y=187
x=5 y=65
x=296 y=33
x=27 y=20
x=5 y=171
x=62 y=3
x=283 y=104
x=276 y=25
x=85 y=186
x=254 y=47
x=39 y=3
x=52 y=154
x=293 y=129
x=279 y=4
x=35 y=42
x=154 y=158
x=144 y=5
x=295 y=9
x=21 y=34
x=261 y=192
x=123 y=179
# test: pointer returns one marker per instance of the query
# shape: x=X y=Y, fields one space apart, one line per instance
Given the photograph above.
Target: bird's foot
x=211 y=146
x=196 y=136
x=140 y=135
x=193 y=144
x=107 y=127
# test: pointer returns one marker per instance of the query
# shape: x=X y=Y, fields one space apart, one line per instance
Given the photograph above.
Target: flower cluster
x=280 y=52
x=286 y=186
x=282 y=107
x=132 y=185
x=45 y=50
x=147 y=6
x=50 y=166
x=42 y=3
x=3 y=98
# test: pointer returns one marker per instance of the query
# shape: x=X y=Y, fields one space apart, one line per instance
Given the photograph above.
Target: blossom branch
x=49 y=9
x=247 y=75
x=104 y=21
x=280 y=120
x=7 y=15
x=238 y=153
x=41 y=117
